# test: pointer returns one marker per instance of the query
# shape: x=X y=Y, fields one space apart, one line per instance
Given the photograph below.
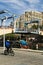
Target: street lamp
x=3 y=23
x=3 y=26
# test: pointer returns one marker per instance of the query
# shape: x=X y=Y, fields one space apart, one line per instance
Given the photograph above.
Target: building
x=33 y=15
x=28 y=17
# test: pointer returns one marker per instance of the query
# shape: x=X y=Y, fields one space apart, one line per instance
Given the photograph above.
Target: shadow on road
x=1 y=53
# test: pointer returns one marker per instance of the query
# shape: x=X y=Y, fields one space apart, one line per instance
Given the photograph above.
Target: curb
x=28 y=50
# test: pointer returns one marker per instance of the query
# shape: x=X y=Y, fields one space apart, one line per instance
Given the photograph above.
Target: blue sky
x=20 y=6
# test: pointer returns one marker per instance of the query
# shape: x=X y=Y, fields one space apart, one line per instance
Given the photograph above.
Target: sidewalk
x=27 y=50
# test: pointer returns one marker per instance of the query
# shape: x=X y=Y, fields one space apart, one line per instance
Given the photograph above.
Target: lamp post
x=4 y=35
x=3 y=26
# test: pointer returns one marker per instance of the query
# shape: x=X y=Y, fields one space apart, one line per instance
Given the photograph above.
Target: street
x=21 y=58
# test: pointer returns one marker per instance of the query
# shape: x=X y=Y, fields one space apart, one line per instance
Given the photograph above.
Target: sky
x=18 y=7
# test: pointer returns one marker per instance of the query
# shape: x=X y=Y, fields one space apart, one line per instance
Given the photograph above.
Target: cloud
x=21 y=5
x=17 y=1
x=33 y=1
x=7 y=0
x=42 y=6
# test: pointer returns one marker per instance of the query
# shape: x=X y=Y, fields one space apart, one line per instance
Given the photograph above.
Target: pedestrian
x=7 y=45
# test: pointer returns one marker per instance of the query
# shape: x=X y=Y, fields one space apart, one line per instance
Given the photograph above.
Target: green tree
x=35 y=26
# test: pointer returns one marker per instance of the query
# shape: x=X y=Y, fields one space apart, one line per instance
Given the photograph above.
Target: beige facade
x=20 y=22
x=34 y=15
x=27 y=17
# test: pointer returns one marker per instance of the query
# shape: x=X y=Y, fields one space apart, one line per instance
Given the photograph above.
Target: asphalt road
x=21 y=58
